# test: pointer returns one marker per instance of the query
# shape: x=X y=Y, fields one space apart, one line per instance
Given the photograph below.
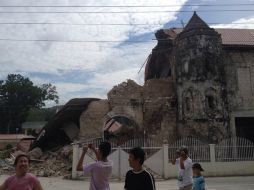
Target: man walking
x=184 y=164
x=138 y=178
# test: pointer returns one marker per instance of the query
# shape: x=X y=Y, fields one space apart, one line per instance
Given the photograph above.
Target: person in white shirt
x=101 y=169
x=184 y=164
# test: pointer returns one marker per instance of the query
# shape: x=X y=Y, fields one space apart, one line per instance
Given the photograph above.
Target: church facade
x=199 y=82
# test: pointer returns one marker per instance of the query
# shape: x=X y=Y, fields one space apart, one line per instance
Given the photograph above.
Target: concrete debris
x=16 y=153
x=44 y=164
x=6 y=165
x=58 y=163
x=36 y=153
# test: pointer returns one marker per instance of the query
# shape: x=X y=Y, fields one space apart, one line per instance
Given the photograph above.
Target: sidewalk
x=214 y=183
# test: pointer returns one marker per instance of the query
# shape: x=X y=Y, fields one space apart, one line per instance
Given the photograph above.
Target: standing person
x=184 y=164
x=22 y=179
x=198 y=179
x=138 y=178
x=101 y=169
x=178 y=153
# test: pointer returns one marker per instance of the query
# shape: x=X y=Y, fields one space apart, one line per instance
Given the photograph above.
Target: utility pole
x=9 y=123
x=182 y=23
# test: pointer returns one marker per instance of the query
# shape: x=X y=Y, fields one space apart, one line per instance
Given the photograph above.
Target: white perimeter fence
x=234 y=156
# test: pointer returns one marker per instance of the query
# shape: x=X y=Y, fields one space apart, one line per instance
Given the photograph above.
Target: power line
x=120 y=6
x=88 y=41
x=106 y=24
x=123 y=12
x=74 y=41
x=75 y=24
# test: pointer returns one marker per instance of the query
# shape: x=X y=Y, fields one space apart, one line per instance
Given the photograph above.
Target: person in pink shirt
x=22 y=180
x=101 y=169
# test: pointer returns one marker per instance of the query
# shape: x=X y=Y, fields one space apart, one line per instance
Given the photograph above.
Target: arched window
x=210 y=99
x=187 y=104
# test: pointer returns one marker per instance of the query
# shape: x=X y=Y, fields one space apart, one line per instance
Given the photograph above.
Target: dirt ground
x=214 y=183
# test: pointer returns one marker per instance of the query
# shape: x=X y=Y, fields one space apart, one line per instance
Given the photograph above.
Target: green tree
x=17 y=96
x=41 y=114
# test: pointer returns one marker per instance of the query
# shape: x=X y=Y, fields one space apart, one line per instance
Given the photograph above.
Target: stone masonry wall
x=126 y=99
x=91 y=120
x=152 y=107
x=239 y=67
x=201 y=95
x=160 y=109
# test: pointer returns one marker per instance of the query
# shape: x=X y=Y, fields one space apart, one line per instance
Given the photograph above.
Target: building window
x=187 y=104
x=245 y=80
x=186 y=67
x=210 y=102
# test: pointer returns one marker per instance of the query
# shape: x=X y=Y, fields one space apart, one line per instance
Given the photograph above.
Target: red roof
x=229 y=36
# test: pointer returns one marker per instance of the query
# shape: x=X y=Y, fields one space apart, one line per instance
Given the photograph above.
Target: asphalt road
x=214 y=183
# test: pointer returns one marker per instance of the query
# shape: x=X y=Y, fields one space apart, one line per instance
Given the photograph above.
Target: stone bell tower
x=200 y=84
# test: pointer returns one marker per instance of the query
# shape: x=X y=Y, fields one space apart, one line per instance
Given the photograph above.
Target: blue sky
x=90 y=67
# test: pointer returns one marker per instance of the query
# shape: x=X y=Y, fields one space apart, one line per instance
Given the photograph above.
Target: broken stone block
x=36 y=153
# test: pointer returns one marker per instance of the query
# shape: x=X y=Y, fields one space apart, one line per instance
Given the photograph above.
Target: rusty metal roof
x=236 y=36
x=230 y=36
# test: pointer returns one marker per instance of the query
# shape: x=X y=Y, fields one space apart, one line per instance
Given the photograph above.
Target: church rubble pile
x=43 y=164
x=58 y=163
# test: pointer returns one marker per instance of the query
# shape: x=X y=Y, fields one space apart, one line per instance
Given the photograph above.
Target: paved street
x=215 y=183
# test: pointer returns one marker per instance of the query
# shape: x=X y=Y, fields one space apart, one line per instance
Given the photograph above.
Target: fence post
x=165 y=161
x=212 y=152
x=119 y=163
x=75 y=158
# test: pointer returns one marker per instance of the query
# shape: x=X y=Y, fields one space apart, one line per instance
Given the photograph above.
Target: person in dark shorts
x=138 y=178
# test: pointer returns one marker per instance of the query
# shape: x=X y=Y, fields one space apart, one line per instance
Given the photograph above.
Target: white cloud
x=69 y=91
x=108 y=80
x=110 y=62
x=208 y=1
x=247 y=23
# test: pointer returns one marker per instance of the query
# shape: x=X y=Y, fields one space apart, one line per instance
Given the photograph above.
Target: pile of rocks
x=57 y=163
x=44 y=164
x=6 y=166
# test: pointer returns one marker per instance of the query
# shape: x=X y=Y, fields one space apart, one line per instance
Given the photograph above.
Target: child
x=198 y=179
x=101 y=169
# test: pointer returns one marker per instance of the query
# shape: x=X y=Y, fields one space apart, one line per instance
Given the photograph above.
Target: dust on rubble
x=43 y=164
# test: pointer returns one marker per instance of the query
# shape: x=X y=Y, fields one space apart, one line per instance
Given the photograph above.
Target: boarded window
x=244 y=82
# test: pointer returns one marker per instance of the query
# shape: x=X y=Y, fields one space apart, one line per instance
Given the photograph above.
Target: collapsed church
x=199 y=82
